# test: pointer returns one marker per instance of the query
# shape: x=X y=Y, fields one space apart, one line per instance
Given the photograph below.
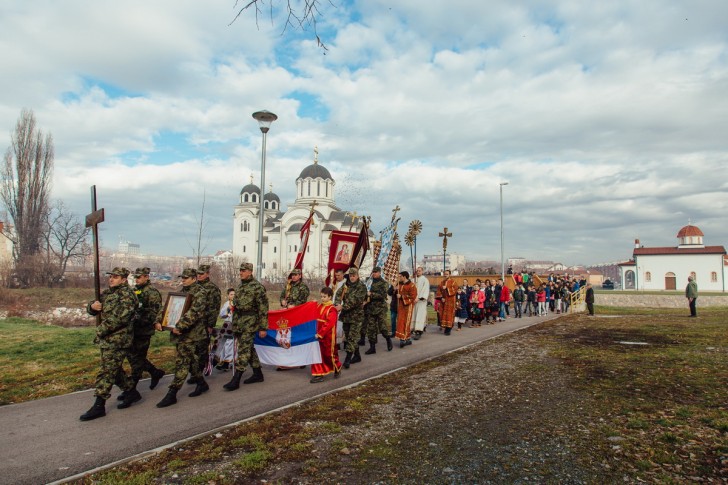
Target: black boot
x=347 y=360
x=131 y=396
x=169 y=399
x=372 y=349
x=234 y=382
x=200 y=388
x=357 y=357
x=121 y=396
x=98 y=410
x=447 y=331
x=256 y=377
x=361 y=341
x=389 y=343
x=157 y=374
x=192 y=380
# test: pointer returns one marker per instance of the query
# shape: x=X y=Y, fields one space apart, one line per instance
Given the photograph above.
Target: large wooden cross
x=313 y=206
x=93 y=220
x=394 y=212
x=444 y=235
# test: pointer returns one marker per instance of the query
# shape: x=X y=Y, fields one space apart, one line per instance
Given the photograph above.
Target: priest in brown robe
x=407 y=297
x=448 y=290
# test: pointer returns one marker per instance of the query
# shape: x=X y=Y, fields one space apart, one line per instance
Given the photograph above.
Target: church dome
x=250 y=189
x=689 y=231
x=270 y=196
x=315 y=171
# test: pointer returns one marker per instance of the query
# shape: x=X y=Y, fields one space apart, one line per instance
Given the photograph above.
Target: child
x=326 y=335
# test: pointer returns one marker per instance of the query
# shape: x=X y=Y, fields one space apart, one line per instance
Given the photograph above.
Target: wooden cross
x=313 y=206
x=444 y=235
x=354 y=218
x=394 y=212
x=93 y=220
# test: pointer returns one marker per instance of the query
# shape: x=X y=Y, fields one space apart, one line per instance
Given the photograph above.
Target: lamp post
x=264 y=118
x=503 y=261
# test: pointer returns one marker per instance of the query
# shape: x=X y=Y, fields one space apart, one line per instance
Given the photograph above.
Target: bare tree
x=199 y=247
x=299 y=14
x=66 y=241
x=25 y=190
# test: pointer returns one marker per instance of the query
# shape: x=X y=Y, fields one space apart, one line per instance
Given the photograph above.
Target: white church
x=281 y=230
x=668 y=268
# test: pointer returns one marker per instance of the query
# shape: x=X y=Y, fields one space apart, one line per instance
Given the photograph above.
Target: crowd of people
x=351 y=311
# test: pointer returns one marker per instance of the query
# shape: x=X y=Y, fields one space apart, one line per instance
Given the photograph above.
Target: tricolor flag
x=305 y=231
x=291 y=339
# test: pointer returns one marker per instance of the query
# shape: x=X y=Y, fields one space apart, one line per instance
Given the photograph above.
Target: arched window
x=327 y=189
x=245 y=198
x=243 y=248
x=648 y=277
x=309 y=188
x=265 y=204
x=318 y=188
x=255 y=198
x=241 y=226
x=275 y=249
x=274 y=204
x=713 y=277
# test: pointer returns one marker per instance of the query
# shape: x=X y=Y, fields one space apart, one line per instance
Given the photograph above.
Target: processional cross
x=93 y=220
x=394 y=212
x=444 y=235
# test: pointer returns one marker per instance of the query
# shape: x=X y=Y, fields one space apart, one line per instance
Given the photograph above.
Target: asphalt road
x=44 y=441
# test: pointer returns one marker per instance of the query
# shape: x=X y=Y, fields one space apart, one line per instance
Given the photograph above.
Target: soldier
x=296 y=291
x=187 y=334
x=150 y=304
x=114 y=334
x=250 y=315
x=351 y=309
x=377 y=313
x=213 y=302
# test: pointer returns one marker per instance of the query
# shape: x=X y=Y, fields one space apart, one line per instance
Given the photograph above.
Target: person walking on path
x=589 y=299
x=406 y=298
x=377 y=314
x=326 y=335
x=117 y=306
x=691 y=293
x=351 y=309
x=212 y=304
x=448 y=291
x=423 y=294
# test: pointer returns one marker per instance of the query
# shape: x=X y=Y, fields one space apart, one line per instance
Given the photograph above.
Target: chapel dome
x=270 y=196
x=315 y=171
x=250 y=189
x=689 y=231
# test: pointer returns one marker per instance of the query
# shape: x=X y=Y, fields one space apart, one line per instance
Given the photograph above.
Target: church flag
x=305 y=232
x=341 y=251
x=387 y=241
x=291 y=339
x=362 y=245
x=391 y=266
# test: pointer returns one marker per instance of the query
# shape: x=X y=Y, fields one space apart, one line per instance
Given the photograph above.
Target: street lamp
x=264 y=118
x=503 y=261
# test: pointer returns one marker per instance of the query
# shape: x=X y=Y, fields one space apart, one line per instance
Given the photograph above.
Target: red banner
x=305 y=231
x=341 y=251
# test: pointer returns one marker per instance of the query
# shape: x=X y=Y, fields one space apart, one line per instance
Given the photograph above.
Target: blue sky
x=607 y=120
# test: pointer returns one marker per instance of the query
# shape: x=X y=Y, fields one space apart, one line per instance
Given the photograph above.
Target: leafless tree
x=25 y=190
x=299 y=13
x=199 y=246
x=66 y=241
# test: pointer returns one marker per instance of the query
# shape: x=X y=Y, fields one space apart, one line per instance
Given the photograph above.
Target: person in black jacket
x=589 y=299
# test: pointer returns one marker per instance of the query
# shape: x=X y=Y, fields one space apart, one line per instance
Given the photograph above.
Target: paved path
x=44 y=440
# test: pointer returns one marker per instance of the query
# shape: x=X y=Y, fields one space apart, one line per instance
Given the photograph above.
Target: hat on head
x=246 y=266
x=295 y=271
x=141 y=272
x=377 y=269
x=204 y=268
x=118 y=271
x=188 y=273
x=353 y=270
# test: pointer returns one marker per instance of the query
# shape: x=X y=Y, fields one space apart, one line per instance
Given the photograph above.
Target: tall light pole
x=264 y=118
x=503 y=261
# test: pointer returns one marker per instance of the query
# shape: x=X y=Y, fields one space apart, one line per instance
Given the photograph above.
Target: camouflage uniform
x=114 y=336
x=150 y=304
x=297 y=294
x=192 y=328
x=213 y=303
x=352 y=313
x=249 y=317
x=377 y=313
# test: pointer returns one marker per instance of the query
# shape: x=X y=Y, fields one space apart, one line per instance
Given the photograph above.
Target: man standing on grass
x=117 y=306
x=423 y=293
x=691 y=293
x=186 y=335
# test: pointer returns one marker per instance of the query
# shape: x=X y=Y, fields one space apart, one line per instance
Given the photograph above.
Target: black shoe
x=417 y=335
x=192 y=380
x=121 y=396
x=372 y=349
x=256 y=377
x=98 y=410
x=200 y=388
x=337 y=373
x=223 y=366
x=408 y=342
x=169 y=399
x=357 y=357
x=361 y=341
x=234 y=382
x=389 y=344
x=402 y=343
x=157 y=374
x=316 y=379
x=347 y=360
x=131 y=397
x=447 y=331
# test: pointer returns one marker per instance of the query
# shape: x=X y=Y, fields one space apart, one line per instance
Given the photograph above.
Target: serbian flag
x=291 y=339
x=305 y=231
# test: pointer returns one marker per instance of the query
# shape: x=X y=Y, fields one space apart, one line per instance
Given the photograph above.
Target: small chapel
x=668 y=268
x=315 y=190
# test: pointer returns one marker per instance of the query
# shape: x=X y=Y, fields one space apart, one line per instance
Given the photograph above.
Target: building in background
x=434 y=264
x=130 y=248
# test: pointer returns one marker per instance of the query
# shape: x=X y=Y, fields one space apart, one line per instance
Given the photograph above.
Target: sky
x=608 y=120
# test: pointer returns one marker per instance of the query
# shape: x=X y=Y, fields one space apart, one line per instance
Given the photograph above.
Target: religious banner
x=291 y=339
x=386 y=244
x=362 y=245
x=305 y=232
x=341 y=252
x=390 y=269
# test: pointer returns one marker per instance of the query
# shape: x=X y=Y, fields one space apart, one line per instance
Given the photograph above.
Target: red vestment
x=448 y=290
x=405 y=307
x=326 y=334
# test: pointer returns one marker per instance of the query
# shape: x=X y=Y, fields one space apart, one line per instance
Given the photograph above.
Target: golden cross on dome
x=315 y=155
x=251 y=178
x=270 y=187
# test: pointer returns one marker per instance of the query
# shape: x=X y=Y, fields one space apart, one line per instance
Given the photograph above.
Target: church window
x=274 y=204
x=245 y=198
x=301 y=189
x=264 y=265
x=243 y=248
x=648 y=277
x=295 y=248
x=275 y=249
x=309 y=188
x=308 y=249
x=275 y=265
x=255 y=198
x=241 y=227
x=245 y=226
x=327 y=189
x=318 y=188
x=265 y=204
x=713 y=277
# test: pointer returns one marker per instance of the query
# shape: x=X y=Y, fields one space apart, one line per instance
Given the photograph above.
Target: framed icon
x=175 y=306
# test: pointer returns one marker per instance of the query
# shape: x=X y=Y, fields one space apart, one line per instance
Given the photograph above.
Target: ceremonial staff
x=93 y=220
x=444 y=235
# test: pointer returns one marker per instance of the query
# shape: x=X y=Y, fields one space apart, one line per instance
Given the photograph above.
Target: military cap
x=188 y=273
x=141 y=271
x=295 y=271
x=377 y=269
x=246 y=266
x=353 y=270
x=119 y=271
x=204 y=268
